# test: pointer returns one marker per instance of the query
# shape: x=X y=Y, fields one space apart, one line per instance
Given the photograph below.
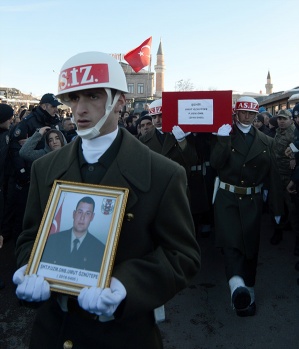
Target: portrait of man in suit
x=76 y=247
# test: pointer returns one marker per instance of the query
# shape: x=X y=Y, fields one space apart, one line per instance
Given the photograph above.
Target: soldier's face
x=246 y=117
x=89 y=106
x=283 y=123
x=82 y=216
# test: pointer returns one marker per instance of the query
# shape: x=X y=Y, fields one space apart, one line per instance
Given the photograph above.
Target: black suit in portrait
x=58 y=251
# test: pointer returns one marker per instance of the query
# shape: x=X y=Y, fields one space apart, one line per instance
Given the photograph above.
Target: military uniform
x=157 y=239
x=243 y=163
x=201 y=181
x=166 y=145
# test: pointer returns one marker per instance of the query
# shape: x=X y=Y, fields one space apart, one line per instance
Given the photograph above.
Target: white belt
x=240 y=190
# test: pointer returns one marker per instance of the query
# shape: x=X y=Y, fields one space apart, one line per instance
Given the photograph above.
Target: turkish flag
x=140 y=57
x=55 y=227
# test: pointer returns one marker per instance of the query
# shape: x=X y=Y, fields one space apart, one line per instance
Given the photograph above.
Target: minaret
x=268 y=85
x=159 y=69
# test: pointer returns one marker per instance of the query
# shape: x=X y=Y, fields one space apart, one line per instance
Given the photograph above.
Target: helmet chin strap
x=243 y=127
x=94 y=131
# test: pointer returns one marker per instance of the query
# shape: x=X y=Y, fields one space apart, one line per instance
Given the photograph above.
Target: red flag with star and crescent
x=140 y=56
x=55 y=227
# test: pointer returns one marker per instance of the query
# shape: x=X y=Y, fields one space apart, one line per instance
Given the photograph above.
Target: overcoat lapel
x=258 y=146
x=238 y=143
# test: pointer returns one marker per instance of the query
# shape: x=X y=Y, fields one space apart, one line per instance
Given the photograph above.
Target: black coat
x=4 y=145
x=37 y=119
x=170 y=148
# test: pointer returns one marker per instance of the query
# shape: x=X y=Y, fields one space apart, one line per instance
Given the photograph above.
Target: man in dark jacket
x=45 y=114
x=6 y=115
x=244 y=159
x=157 y=253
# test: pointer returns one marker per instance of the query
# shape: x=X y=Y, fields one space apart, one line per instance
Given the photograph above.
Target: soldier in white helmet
x=157 y=253
x=173 y=145
x=244 y=159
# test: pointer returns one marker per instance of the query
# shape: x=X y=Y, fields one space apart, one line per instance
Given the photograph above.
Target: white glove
x=224 y=130
x=101 y=301
x=265 y=195
x=294 y=148
x=31 y=288
x=277 y=219
x=179 y=134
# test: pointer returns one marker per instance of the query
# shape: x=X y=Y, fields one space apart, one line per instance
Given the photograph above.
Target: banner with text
x=196 y=111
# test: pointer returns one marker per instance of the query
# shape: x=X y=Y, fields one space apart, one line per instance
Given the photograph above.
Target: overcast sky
x=216 y=44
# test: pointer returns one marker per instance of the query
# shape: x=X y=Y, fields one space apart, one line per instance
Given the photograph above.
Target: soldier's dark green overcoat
x=238 y=217
x=157 y=253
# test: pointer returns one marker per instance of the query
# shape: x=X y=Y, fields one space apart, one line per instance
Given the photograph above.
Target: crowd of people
x=182 y=186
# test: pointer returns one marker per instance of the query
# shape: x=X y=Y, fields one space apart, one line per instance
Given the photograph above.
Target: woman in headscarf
x=54 y=140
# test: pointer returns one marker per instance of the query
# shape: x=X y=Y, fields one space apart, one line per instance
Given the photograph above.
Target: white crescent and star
x=142 y=53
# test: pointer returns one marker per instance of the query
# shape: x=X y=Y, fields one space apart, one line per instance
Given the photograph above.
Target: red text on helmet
x=83 y=75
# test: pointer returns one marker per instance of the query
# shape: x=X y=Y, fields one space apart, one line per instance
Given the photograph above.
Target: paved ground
x=200 y=317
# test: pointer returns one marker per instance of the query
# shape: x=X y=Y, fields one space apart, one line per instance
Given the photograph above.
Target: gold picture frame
x=93 y=211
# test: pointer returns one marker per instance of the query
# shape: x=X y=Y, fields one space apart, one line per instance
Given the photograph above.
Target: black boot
x=249 y=311
x=276 y=237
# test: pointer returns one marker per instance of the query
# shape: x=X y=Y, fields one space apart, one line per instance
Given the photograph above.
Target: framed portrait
x=78 y=236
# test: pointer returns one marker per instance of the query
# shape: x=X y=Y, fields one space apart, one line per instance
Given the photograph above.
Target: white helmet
x=155 y=107
x=90 y=70
x=247 y=104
